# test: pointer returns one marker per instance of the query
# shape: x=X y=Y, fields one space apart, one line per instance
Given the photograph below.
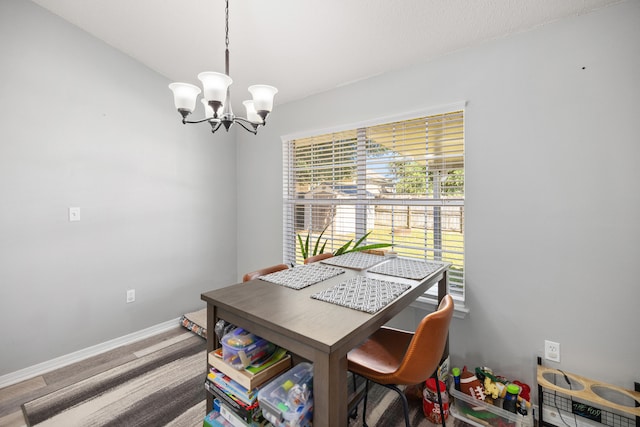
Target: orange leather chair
x=391 y=357
x=318 y=257
x=263 y=272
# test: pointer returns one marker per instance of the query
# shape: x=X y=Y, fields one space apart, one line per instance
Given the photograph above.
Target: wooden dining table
x=314 y=330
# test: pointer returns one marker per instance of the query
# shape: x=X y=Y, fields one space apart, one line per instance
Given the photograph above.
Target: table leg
x=212 y=342
x=330 y=396
x=443 y=285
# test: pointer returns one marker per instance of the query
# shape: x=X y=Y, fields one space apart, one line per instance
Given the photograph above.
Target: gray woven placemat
x=362 y=293
x=354 y=260
x=407 y=268
x=302 y=276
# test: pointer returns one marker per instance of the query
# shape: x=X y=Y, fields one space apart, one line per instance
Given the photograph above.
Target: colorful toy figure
x=494 y=389
x=525 y=391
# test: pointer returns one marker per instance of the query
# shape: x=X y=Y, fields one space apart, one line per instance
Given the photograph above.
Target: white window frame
x=428 y=301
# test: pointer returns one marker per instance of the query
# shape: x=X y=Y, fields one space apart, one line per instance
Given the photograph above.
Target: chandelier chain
x=226 y=28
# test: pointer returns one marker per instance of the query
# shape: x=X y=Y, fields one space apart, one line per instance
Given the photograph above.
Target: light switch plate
x=74 y=213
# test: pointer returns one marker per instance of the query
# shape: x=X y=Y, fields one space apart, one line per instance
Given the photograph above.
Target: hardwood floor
x=13 y=396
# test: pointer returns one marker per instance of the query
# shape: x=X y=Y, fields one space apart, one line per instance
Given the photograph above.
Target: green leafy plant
x=357 y=248
x=317 y=249
x=304 y=246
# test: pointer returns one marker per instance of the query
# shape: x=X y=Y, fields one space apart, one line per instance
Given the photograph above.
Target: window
x=401 y=181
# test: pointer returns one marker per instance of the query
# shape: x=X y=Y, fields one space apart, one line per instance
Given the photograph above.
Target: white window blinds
x=403 y=182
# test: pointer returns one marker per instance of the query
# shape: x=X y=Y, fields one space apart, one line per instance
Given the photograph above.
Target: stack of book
x=236 y=391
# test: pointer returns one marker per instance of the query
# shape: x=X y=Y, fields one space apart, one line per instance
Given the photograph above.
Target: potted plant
x=307 y=251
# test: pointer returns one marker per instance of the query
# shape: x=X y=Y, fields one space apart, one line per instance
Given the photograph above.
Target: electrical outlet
x=552 y=351
x=131 y=295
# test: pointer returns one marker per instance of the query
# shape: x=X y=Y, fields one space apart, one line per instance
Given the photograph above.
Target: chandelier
x=217 y=99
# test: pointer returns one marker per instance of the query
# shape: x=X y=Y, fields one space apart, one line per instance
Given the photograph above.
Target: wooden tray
x=587 y=390
x=246 y=378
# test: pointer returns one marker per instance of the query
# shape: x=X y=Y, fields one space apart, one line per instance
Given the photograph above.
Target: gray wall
x=552 y=200
x=84 y=125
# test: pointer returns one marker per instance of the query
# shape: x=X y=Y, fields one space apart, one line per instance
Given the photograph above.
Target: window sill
x=430 y=304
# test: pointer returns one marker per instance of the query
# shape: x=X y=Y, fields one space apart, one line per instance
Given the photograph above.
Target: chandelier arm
x=249 y=122
x=215 y=127
x=191 y=122
x=253 y=129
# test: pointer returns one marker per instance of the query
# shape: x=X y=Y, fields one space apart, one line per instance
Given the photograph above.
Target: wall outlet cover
x=552 y=351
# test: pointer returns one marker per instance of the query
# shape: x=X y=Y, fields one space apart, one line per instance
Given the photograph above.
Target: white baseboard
x=85 y=353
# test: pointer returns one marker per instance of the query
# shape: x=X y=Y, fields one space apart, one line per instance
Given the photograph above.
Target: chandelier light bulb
x=184 y=96
x=215 y=85
x=263 y=97
x=252 y=114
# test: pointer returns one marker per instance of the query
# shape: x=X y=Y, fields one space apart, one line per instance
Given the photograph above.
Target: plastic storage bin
x=287 y=401
x=214 y=419
x=481 y=414
x=241 y=348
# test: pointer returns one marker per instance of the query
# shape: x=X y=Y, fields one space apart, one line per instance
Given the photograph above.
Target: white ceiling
x=303 y=47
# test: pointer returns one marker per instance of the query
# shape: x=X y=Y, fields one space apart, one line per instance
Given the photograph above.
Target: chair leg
x=355 y=389
x=405 y=403
x=364 y=408
x=354 y=412
x=440 y=401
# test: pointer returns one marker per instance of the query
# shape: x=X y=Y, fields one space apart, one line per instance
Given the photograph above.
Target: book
x=226 y=383
x=227 y=396
x=246 y=412
x=233 y=418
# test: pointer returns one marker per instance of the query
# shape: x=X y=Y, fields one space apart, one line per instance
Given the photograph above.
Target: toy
x=241 y=349
x=287 y=401
x=482 y=372
x=239 y=338
x=525 y=391
x=471 y=385
x=525 y=404
x=297 y=396
x=494 y=389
